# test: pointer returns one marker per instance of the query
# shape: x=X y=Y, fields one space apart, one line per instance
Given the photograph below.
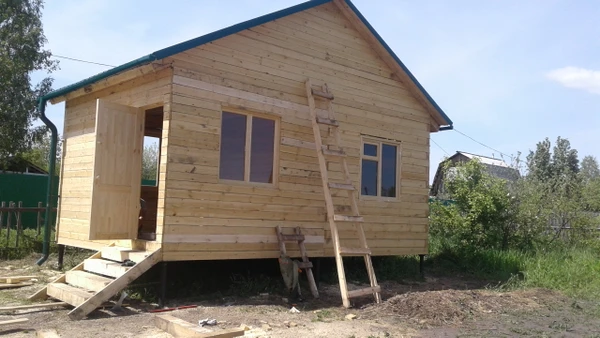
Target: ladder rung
x=364 y=292
x=354 y=251
x=305 y=265
x=322 y=94
x=292 y=238
x=327 y=121
x=341 y=186
x=344 y=218
x=332 y=152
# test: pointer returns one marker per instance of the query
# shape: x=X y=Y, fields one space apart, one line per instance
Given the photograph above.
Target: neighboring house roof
x=181 y=47
x=19 y=165
x=495 y=167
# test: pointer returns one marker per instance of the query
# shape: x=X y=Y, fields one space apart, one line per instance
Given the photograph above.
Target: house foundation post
x=162 y=296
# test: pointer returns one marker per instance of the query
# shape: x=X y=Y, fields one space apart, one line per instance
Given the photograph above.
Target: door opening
x=150 y=173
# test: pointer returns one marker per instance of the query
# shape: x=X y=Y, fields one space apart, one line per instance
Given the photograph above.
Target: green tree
x=21 y=53
x=39 y=154
x=482 y=213
x=590 y=178
x=589 y=169
x=150 y=162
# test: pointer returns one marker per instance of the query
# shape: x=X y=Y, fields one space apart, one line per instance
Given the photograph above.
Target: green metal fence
x=28 y=189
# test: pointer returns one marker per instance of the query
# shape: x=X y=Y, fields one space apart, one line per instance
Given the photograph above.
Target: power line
x=439 y=146
x=79 y=60
x=496 y=150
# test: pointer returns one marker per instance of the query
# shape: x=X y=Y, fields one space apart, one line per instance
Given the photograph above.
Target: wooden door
x=117 y=171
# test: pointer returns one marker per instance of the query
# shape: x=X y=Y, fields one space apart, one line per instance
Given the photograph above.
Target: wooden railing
x=11 y=220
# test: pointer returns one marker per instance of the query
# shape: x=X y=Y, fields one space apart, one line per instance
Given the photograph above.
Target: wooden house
x=241 y=152
x=496 y=167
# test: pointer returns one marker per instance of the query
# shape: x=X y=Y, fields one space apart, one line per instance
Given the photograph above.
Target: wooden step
x=329 y=122
x=364 y=292
x=341 y=186
x=292 y=238
x=305 y=265
x=115 y=253
x=68 y=294
x=354 y=251
x=86 y=280
x=120 y=254
x=104 y=267
x=322 y=94
x=344 y=218
x=331 y=152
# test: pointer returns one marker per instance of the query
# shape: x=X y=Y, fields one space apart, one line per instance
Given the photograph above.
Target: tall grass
x=573 y=270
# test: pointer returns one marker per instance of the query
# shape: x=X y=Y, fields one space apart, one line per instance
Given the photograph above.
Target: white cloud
x=578 y=78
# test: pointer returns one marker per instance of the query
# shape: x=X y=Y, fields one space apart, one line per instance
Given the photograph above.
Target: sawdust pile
x=454 y=306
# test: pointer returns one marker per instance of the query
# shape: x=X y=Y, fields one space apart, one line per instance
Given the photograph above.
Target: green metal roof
x=186 y=45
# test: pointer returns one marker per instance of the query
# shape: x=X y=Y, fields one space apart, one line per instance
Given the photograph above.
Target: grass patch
x=28 y=243
x=572 y=270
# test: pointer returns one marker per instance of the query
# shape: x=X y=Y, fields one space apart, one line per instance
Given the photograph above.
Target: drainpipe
x=51 y=170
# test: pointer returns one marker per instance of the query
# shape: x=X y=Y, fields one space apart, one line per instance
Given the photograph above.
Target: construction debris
x=207 y=321
x=51 y=333
x=294 y=310
x=180 y=328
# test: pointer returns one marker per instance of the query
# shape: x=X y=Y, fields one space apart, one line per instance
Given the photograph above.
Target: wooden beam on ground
x=180 y=328
x=14 y=321
x=12 y=286
x=51 y=333
x=15 y=279
x=32 y=306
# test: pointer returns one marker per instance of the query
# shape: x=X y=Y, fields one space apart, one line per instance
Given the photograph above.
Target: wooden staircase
x=98 y=278
x=334 y=153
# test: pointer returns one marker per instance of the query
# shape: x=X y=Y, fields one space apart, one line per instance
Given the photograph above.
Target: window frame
x=379 y=142
x=248 y=147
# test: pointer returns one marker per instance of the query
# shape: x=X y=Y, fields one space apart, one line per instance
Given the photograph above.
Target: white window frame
x=379 y=142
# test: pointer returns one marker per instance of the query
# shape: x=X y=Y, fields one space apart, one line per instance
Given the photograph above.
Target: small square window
x=370 y=149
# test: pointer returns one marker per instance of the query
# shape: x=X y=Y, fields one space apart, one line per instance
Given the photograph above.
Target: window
x=379 y=169
x=247 y=148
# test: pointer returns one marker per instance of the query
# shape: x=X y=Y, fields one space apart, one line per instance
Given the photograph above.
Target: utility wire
x=439 y=146
x=496 y=150
x=78 y=60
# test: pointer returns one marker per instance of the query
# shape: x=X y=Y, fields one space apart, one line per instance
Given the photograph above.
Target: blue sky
x=508 y=73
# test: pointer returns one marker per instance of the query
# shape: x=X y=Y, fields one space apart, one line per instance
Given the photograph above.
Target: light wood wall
x=146 y=91
x=263 y=69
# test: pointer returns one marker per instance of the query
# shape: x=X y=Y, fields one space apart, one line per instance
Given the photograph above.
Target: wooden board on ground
x=32 y=306
x=14 y=321
x=180 y=328
x=12 y=286
x=15 y=279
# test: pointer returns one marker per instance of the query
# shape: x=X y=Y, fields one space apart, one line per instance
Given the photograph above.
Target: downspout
x=51 y=170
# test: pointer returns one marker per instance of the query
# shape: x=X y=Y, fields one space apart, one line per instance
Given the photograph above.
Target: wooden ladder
x=338 y=155
x=299 y=238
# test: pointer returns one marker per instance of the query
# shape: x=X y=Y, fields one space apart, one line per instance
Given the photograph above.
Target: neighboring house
x=495 y=167
x=238 y=154
x=20 y=166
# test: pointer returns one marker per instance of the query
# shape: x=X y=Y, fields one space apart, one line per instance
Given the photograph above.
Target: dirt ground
x=437 y=307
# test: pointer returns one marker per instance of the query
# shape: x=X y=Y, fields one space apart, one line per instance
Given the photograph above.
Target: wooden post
x=421 y=265
x=39 y=219
x=2 y=206
x=162 y=297
x=8 y=219
x=61 y=256
x=19 y=222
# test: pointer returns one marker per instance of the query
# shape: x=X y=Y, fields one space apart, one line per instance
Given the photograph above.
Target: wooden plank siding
x=263 y=70
x=149 y=90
